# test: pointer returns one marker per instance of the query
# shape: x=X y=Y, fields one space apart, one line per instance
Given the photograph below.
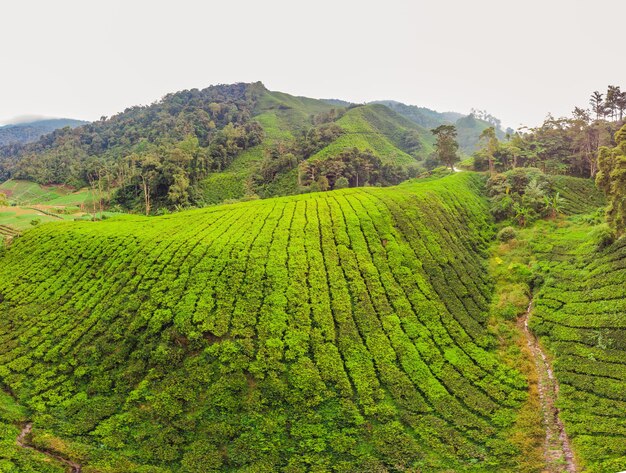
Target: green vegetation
x=342 y=331
x=567 y=145
x=611 y=178
x=523 y=195
x=13 y=458
x=580 y=320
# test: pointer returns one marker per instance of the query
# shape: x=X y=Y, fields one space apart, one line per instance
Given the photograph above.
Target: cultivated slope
x=342 y=331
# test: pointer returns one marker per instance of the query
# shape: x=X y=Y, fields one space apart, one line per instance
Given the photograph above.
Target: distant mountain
x=421 y=115
x=22 y=133
x=338 y=102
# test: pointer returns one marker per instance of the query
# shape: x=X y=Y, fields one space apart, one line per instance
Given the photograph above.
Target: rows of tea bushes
x=579 y=195
x=580 y=314
x=341 y=331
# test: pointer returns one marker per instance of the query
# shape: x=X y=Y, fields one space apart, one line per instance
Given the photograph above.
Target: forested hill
x=338 y=331
x=162 y=154
x=22 y=133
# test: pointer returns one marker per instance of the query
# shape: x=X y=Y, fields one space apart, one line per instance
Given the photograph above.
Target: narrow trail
x=21 y=440
x=557 y=449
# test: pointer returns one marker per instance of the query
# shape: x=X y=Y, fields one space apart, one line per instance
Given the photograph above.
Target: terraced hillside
x=580 y=315
x=341 y=331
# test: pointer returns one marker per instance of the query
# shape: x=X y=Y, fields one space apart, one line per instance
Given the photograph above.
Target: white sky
x=518 y=60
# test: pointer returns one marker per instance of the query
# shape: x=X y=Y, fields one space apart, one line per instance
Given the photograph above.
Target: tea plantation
x=341 y=331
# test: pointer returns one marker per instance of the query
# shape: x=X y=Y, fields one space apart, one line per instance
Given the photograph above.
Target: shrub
x=507 y=234
x=603 y=236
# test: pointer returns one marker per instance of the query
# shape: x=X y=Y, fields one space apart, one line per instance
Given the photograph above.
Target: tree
x=597 y=104
x=620 y=103
x=613 y=95
x=149 y=168
x=446 y=145
x=490 y=146
x=322 y=182
x=3 y=200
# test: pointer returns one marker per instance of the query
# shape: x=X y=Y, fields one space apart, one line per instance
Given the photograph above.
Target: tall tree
x=446 y=145
x=620 y=103
x=612 y=96
x=597 y=104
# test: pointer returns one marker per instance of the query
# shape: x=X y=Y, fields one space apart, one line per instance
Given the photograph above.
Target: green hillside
x=421 y=115
x=340 y=331
x=381 y=130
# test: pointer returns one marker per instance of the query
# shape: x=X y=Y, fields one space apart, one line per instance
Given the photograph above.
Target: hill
x=22 y=133
x=338 y=331
x=224 y=142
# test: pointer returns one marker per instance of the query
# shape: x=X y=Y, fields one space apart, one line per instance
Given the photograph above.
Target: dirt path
x=557 y=449
x=21 y=440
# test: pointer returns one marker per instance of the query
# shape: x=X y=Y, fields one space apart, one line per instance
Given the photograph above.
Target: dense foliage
x=198 y=147
x=560 y=145
x=166 y=147
x=342 y=331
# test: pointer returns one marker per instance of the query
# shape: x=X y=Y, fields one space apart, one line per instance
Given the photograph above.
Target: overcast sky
x=518 y=60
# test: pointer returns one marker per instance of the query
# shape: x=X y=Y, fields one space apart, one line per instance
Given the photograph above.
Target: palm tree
x=597 y=105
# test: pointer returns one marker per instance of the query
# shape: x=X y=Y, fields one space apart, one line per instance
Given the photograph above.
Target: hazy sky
x=518 y=60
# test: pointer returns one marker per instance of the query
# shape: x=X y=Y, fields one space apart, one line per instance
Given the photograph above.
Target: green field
x=23 y=193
